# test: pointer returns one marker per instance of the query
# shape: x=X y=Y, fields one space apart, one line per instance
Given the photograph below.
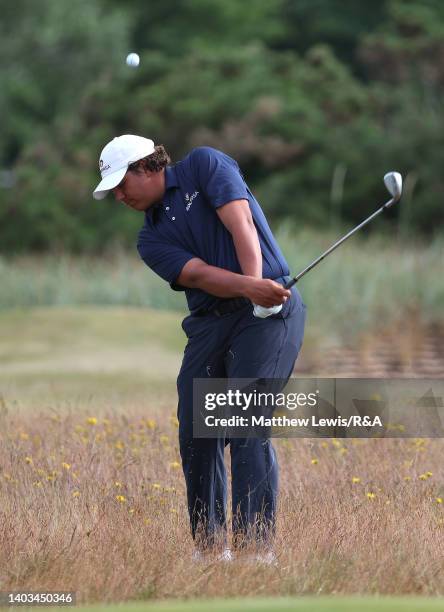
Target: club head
x=393 y=182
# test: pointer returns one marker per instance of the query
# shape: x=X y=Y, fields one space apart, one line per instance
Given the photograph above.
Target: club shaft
x=334 y=246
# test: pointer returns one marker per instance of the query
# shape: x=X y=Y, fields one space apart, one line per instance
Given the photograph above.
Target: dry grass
x=63 y=526
x=99 y=507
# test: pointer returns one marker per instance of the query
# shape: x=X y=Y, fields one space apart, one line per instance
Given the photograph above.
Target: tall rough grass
x=367 y=283
x=96 y=503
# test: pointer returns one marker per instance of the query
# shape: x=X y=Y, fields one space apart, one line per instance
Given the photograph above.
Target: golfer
x=205 y=233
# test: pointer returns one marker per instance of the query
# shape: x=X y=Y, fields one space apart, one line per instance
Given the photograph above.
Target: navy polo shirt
x=185 y=224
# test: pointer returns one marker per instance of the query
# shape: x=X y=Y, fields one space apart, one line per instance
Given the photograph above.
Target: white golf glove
x=262 y=313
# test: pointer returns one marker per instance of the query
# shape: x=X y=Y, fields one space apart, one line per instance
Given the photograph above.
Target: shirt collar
x=170 y=182
x=171 y=178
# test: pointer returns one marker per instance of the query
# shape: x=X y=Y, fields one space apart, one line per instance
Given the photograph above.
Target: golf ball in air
x=133 y=60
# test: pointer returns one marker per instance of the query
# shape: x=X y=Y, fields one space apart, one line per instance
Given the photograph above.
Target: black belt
x=225 y=306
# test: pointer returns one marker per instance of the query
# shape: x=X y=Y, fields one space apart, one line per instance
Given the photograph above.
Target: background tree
x=316 y=99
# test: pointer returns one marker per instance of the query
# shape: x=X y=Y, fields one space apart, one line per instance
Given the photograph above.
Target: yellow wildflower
x=121 y=498
x=37 y=483
x=394 y=427
x=151 y=424
x=76 y=494
x=439 y=500
x=175 y=465
x=423 y=477
x=28 y=460
x=314 y=461
x=91 y=420
x=156 y=486
x=371 y=495
x=356 y=480
x=119 y=445
x=118 y=484
x=66 y=466
x=429 y=474
x=419 y=442
x=24 y=436
x=407 y=478
x=164 y=439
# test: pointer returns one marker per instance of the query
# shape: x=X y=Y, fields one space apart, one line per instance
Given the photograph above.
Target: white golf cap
x=115 y=159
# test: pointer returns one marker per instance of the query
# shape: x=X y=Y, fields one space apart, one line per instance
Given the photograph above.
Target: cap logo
x=102 y=168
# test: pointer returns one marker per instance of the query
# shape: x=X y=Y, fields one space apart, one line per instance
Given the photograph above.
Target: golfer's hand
x=267 y=293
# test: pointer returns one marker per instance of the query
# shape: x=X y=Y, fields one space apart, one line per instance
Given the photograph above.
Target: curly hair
x=154 y=162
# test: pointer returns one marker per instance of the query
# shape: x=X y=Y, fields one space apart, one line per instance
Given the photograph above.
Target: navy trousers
x=236 y=345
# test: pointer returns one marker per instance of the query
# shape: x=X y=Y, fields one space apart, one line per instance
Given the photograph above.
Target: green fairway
x=88 y=353
x=305 y=604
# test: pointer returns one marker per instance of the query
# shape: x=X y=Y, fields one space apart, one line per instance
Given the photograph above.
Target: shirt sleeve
x=218 y=175
x=165 y=259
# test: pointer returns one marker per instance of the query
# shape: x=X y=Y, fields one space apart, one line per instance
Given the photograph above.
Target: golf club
x=393 y=182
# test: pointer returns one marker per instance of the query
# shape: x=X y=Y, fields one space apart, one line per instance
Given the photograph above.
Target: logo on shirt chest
x=189 y=199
